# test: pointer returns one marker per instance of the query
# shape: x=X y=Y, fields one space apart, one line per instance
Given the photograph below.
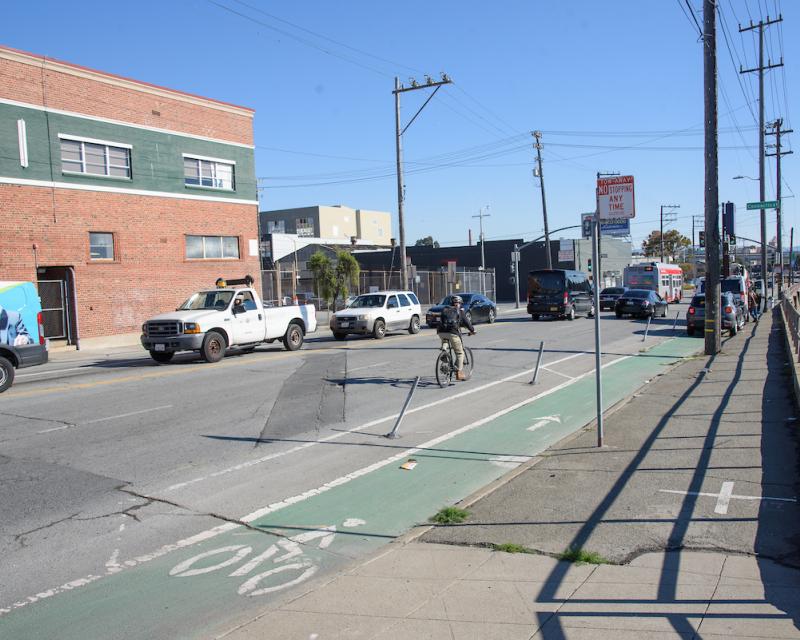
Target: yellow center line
x=178 y=370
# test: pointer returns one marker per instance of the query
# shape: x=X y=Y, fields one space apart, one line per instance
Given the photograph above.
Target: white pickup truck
x=210 y=321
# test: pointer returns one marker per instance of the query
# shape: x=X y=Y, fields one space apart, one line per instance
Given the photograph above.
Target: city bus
x=665 y=279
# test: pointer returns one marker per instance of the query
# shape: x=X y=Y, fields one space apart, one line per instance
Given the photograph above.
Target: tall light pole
x=398 y=89
x=538 y=146
x=661 y=239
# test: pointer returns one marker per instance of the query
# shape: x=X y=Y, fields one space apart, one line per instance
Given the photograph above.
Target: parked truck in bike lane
x=212 y=320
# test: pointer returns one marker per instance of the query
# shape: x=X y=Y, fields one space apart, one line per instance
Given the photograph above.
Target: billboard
x=615 y=198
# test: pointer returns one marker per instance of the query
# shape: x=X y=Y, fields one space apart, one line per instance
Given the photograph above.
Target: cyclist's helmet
x=457 y=300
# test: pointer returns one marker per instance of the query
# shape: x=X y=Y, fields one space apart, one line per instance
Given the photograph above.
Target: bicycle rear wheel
x=469 y=362
x=444 y=369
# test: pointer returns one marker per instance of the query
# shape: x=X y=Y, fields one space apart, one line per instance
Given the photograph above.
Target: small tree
x=333 y=282
x=673 y=240
x=427 y=241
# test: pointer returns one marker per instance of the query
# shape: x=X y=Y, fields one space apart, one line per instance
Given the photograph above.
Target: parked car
x=732 y=315
x=477 y=307
x=22 y=342
x=736 y=285
x=212 y=320
x=559 y=292
x=377 y=313
x=641 y=303
x=609 y=296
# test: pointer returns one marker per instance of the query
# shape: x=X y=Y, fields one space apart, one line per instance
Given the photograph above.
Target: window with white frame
x=208 y=172
x=95 y=157
x=304 y=227
x=212 y=247
x=276 y=226
x=101 y=246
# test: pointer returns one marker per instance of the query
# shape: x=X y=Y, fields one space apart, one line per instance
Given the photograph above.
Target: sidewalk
x=691 y=506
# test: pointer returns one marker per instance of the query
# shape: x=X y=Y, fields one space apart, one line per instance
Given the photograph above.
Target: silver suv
x=376 y=313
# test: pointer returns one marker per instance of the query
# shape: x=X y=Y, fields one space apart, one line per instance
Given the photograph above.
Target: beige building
x=333 y=222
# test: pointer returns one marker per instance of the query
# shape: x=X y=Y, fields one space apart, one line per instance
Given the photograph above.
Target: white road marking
x=367 y=425
x=497 y=341
x=351 y=523
x=558 y=373
x=508 y=462
x=231 y=526
x=544 y=420
x=724 y=498
x=121 y=415
x=368 y=366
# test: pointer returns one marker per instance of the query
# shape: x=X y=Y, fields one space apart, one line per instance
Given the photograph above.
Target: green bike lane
x=202 y=586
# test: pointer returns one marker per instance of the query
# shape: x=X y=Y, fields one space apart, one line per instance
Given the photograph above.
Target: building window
x=101 y=246
x=276 y=226
x=208 y=172
x=95 y=157
x=212 y=247
x=304 y=227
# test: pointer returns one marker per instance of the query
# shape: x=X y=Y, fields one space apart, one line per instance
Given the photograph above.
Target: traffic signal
x=702 y=236
x=589 y=265
x=732 y=243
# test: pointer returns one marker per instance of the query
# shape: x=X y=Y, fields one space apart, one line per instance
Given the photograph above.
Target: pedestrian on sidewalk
x=753 y=304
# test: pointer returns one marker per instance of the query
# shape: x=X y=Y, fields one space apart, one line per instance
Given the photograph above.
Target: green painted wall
x=156 y=158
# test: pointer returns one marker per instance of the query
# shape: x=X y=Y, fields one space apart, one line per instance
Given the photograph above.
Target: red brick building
x=119 y=197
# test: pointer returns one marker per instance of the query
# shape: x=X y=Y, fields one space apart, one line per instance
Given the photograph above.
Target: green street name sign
x=767 y=204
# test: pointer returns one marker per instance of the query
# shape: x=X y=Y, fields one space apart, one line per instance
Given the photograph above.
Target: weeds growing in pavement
x=450 y=515
x=510 y=547
x=581 y=556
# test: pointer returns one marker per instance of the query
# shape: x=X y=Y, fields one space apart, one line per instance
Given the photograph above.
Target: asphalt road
x=114 y=458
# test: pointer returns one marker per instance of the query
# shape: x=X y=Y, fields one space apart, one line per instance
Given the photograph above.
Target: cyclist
x=452 y=319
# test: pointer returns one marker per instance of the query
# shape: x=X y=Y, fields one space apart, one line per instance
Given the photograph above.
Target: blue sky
x=613 y=86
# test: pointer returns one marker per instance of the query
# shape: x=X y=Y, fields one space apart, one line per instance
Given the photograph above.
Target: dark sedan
x=609 y=297
x=641 y=303
x=477 y=307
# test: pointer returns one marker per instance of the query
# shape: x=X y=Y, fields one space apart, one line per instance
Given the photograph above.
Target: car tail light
x=728 y=309
x=692 y=311
x=41 y=327
x=566 y=298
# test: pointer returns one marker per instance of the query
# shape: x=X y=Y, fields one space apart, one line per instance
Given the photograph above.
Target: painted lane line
x=508 y=462
x=121 y=415
x=558 y=373
x=86 y=367
x=368 y=366
x=733 y=496
x=127 y=415
x=367 y=425
x=724 y=499
x=231 y=526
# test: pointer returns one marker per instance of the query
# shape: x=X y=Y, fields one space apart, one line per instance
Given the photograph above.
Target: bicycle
x=446 y=364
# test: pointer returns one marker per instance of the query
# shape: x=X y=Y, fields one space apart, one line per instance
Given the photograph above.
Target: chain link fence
x=279 y=288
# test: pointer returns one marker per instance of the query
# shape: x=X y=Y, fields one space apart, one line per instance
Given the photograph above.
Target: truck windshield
x=368 y=301
x=209 y=300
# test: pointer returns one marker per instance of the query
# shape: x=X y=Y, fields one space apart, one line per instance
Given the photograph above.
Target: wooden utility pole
x=777 y=132
x=761 y=178
x=398 y=89
x=712 y=319
x=538 y=147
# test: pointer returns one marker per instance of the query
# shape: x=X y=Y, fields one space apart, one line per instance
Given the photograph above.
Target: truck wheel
x=379 y=330
x=339 y=336
x=293 y=339
x=213 y=349
x=162 y=357
x=534 y=316
x=6 y=374
x=689 y=331
x=414 y=326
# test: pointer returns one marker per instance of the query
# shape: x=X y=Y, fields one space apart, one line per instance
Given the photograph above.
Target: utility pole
x=668 y=206
x=711 y=208
x=398 y=89
x=761 y=181
x=777 y=132
x=481 y=215
x=538 y=146
x=791 y=257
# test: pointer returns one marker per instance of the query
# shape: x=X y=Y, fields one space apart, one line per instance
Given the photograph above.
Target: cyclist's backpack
x=449 y=321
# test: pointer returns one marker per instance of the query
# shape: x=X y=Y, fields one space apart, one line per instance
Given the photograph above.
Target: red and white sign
x=615 y=198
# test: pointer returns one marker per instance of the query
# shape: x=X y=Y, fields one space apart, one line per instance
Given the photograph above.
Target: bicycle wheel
x=444 y=369
x=469 y=362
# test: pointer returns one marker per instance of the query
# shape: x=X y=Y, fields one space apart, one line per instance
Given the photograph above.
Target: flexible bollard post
x=675 y=324
x=393 y=433
x=538 y=363
x=647 y=328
